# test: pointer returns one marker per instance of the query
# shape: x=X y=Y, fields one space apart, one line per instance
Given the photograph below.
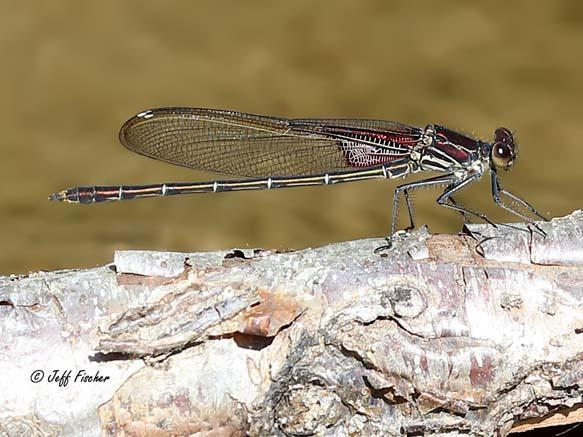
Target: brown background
x=72 y=72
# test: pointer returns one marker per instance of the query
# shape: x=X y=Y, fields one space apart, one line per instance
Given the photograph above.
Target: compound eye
x=502 y=154
x=503 y=134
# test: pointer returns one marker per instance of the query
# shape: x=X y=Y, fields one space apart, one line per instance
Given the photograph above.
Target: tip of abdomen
x=71 y=196
x=60 y=196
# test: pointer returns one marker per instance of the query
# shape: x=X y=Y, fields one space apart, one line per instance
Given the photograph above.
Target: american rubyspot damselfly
x=273 y=152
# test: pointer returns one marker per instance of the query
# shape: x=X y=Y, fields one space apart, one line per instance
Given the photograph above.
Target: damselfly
x=272 y=152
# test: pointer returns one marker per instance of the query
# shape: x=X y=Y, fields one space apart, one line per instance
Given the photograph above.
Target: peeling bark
x=440 y=334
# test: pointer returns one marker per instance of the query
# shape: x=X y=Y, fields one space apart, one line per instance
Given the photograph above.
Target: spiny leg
x=445 y=199
x=523 y=203
x=405 y=188
x=439 y=180
x=464 y=211
x=497 y=190
x=478 y=248
x=454 y=202
x=409 y=210
x=447 y=196
x=412 y=216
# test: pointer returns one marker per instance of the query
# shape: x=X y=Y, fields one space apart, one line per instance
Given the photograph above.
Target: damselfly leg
x=445 y=199
x=453 y=184
x=497 y=190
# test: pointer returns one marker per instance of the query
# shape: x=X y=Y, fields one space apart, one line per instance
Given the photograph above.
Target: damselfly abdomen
x=272 y=152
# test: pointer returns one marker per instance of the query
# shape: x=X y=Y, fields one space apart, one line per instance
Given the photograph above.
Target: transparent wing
x=249 y=145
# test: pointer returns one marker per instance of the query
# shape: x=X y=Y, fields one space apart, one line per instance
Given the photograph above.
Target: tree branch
x=442 y=333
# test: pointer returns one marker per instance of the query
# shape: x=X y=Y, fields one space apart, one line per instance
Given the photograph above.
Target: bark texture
x=440 y=334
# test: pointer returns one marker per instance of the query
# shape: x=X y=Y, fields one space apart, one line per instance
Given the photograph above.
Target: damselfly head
x=503 y=152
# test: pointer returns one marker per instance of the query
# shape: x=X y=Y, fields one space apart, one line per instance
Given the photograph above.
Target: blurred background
x=72 y=72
